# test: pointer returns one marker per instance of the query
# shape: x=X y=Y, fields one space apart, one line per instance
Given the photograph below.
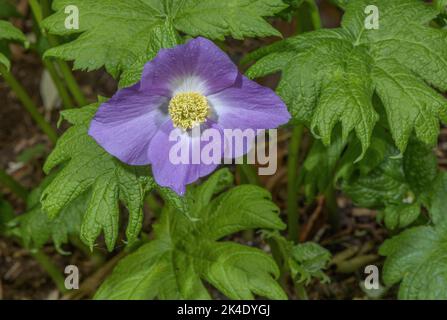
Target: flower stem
x=331 y=201
x=46 y=8
x=294 y=148
x=63 y=93
x=28 y=103
x=292 y=188
x=40 y=12
x=248 y=172
x=300 y=291
x=12 y=185
x=72 y=84
x=37 y=11
x=315 y=14
x=51 y=269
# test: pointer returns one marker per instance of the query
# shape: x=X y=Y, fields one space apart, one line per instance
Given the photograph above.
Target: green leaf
x=398 y=185
x=117 y=34
x=187 y=252
x=289 y=13
x=325 y=166
x=394 y=181
x=420 y=167
x=441 y=4
x=5 y=61
x=417 y=258
x=9 y=33
x=308 y=261
x=235 y=18
x=350 y=164
x=319 y=167
x=341 y=3
x=35 y=228
x=382 y=186
x=305 y=261
x=89 y=168
x=163 y=36
x=401 y=216
x=330 y=76
x=438 y=203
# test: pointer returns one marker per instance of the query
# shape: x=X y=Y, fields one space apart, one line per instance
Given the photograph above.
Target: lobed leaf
x=118 y=34
x=305 y=261
x=186 y=252
x=395 y=180
x=417 y=258
x=9 y=33
x=398 y=185
x=88 y=168
x=330 y=76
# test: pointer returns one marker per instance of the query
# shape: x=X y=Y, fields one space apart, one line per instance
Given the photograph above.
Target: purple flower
x=195 y=84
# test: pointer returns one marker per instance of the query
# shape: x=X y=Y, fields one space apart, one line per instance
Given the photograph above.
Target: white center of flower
x=188 y=109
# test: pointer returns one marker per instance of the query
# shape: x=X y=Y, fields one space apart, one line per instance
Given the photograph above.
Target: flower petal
x=177 y=176
x=198 y=65
x=125 y=124
x=248 y=105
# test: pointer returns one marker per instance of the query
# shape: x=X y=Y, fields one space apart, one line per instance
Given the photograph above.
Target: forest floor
x=23 y=148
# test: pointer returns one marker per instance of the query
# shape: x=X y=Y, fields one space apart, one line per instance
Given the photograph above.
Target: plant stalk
x=294 y=151
x=248 y=172
x=63 y=93
x=40 y=12
x=329 y=194
x=292 y=188
x=28 y=103
x=13 y=185
x=51 y=269
x=300 y=291
x=295 y=143
x=72 y=84
x=315 y=15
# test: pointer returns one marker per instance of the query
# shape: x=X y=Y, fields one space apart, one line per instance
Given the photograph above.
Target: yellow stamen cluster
x=188 y=109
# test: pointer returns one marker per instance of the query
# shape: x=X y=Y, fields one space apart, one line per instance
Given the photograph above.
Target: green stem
x=279 y=256
x=40 y=12
x=49 y=65
x=28 y=103
x=332 y=206
x=51 y=269
x=12 y=185
x=300 y=291
x=315 y=14
x=295 y=145
x=249 y=174
x=63 y=93
x=37 y=11
x=46 y=8
x=72 y=84
x=331 y=200
x=294 y=149
x=292 y=188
